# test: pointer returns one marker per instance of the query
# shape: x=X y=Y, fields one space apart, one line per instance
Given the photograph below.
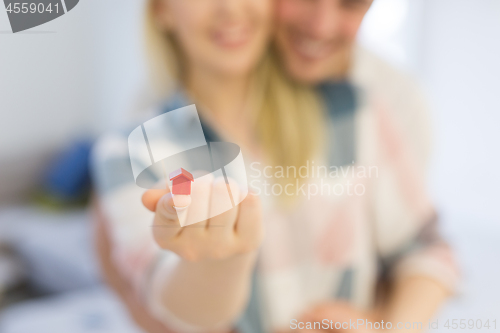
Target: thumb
x=151 y=197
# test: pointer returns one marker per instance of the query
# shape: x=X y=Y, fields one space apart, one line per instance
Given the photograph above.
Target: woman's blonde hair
x=289 y=121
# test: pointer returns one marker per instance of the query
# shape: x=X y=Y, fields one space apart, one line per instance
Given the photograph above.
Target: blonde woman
x=212 y=53
x=325 y=232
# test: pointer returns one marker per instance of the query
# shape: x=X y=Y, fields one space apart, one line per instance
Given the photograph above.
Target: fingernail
x=180 y=209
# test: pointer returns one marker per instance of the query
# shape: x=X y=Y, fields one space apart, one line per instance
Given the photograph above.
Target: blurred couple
x=286 y=81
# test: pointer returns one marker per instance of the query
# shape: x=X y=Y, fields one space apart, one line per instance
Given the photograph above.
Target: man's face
x=315 y=37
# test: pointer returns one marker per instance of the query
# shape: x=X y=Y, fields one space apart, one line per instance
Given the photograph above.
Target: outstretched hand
x=236 y=231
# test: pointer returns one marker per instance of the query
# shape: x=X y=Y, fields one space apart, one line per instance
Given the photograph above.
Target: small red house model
x=181 y=181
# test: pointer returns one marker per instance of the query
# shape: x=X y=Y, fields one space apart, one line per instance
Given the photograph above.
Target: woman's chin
x=229 y=66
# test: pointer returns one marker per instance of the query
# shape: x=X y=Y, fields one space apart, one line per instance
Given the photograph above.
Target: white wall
x=462 y=74
x=63 y=80
x=393 y=30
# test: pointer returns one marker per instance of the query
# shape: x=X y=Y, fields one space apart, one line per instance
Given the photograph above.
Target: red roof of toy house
x=181 y=173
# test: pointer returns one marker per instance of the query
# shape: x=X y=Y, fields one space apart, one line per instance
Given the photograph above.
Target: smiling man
x=318 y=37
x=317 y=42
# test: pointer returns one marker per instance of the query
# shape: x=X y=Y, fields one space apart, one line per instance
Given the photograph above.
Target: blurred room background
x=63 y=83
